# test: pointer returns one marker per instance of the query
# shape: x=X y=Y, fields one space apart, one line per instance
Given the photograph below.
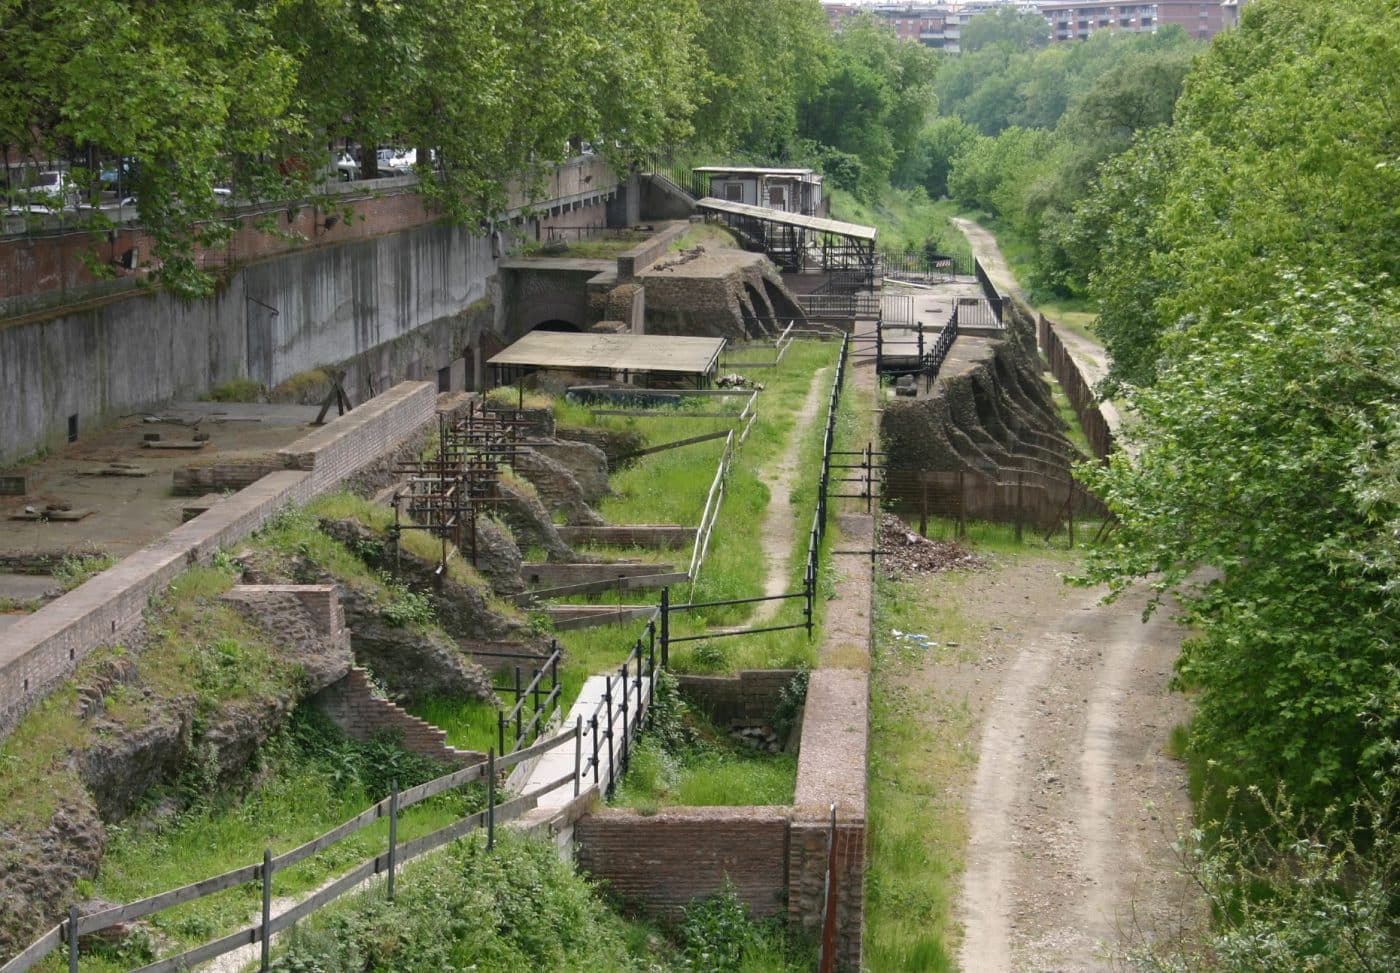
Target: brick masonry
x=663 y=861
x=42 y=649
x=746 y=699
x=352 y=706
x=775 y=857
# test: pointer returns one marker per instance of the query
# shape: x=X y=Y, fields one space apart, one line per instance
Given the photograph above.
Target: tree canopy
x=255 y=94
x=1247 y=284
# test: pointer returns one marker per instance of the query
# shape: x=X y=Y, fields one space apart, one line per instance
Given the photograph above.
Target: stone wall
x=43 y=648
x=352 y=706
x=662 y=862
x=642 y=256
x=389 y=296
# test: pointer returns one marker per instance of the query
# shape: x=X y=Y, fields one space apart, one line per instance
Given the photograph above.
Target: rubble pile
x=904 y=553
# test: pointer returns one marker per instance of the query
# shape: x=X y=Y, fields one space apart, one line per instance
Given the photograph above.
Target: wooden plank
x=653 y=414
x=36 y=951
x=554 y=784
x=677 y=444
x=656 y=393
x=627 y=582
x=164 y=900
x=535 y=749
x=457 y=829
x=446 y=783
x=360 y=821
x=330 y=893
x=187 y=959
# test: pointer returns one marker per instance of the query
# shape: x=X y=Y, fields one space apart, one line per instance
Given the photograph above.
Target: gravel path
x=780 y=527
x=1073 y=805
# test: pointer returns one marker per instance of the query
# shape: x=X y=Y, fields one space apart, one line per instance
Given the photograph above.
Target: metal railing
x=542 y=702
x=622 y=712
x=922 y=266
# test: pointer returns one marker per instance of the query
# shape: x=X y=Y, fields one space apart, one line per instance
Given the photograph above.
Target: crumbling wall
x=714 y=294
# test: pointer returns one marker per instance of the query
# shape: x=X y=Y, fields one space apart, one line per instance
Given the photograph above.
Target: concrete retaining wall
x=42 y=649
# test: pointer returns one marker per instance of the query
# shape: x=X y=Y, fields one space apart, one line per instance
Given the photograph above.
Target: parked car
x=347 y=167
x=50 y=189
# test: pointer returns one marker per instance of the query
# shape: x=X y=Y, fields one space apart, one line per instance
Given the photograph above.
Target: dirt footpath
x=1072 y=805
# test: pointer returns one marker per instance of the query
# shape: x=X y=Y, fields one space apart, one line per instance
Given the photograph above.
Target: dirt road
x=1073 y=804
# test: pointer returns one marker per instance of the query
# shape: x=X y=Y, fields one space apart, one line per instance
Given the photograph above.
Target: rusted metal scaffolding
x=446 y=493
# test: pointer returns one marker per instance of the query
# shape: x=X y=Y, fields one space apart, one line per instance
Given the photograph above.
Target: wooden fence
x=76 y=926
x=1026 y=499
x=1080 y=392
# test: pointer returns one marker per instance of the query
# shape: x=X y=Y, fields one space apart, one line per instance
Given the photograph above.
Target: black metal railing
x=622 y=712
x=539 y=697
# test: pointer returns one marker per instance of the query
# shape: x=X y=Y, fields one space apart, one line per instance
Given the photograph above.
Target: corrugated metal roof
x=853 y=230
x=756 y=171
x=615 y=352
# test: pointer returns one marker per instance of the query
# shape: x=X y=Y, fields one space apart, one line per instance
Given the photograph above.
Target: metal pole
x=578 y=752
x=623 y=759
x=593 y=732
x=1019 y=517
x=501 y=730
x=607 y=702
x=264 y=933
x=519 y=696
x=393 y=832
x=666 y=627
x=73 y=939
x=490 y=799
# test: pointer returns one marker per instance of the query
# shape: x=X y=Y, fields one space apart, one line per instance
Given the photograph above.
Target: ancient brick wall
x=352 y=706
x=808 y=844
x=664 y=861
x=747 y=698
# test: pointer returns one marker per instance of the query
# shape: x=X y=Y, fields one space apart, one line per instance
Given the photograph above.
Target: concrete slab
x=130 y=512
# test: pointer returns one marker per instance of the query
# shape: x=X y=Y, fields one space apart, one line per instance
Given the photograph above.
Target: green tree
x=1266 y=451
x=1285 y=156
x=1018 y=30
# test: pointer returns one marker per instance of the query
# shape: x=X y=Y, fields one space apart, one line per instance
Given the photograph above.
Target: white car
x=49 y=189
x=348 y=168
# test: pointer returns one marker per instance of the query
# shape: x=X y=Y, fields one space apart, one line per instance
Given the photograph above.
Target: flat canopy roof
x=755 y=171
x=613 y=352
x=853 y=230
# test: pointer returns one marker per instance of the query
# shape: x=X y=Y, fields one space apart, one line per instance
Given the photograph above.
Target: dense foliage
x=1023 y=128
x=518 y=907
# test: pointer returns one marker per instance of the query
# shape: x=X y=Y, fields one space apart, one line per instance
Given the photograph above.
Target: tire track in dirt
x=779 y=523
x=1073 y=804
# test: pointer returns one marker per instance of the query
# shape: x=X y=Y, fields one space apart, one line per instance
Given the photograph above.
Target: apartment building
x=939 y=25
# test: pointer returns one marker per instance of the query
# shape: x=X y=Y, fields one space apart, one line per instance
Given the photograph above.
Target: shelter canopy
x=820 y=224
x=674 y=354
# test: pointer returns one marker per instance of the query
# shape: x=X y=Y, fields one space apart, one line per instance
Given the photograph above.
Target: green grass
x=312 y=781
x=906 y=218
x=1073 y=430
x=235 y=390
x=998 y=538
x=518 y=907
x=470 y=723
x=671 y=487
x=918 y=757
x=729 y=776
x=73 y=569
